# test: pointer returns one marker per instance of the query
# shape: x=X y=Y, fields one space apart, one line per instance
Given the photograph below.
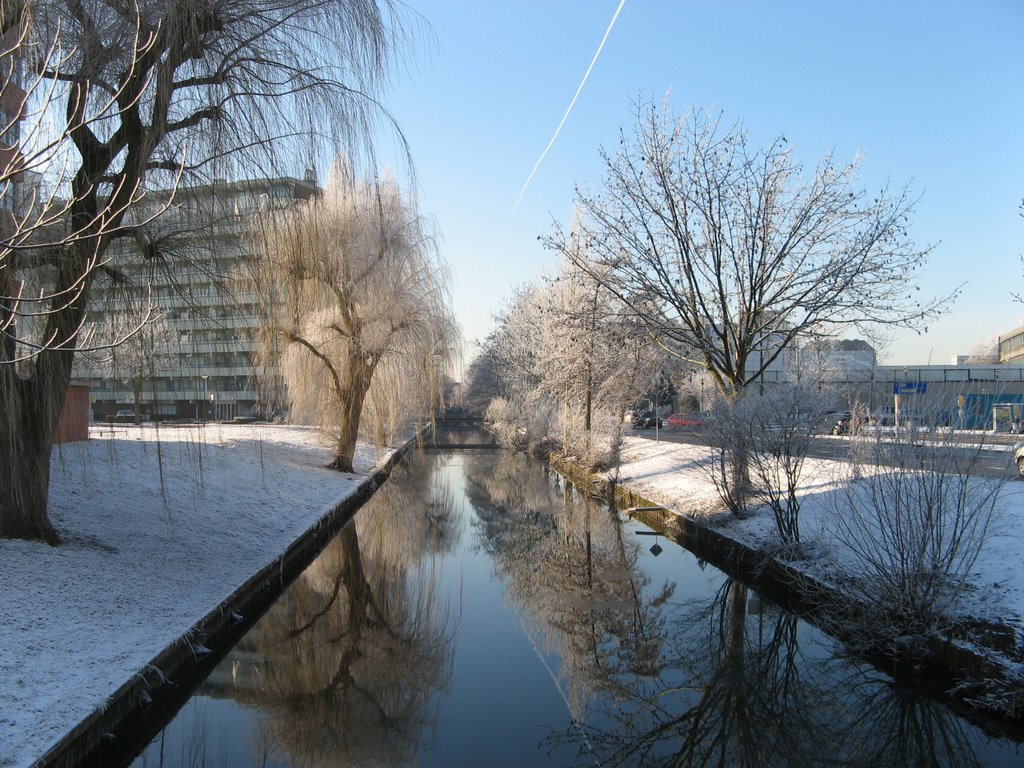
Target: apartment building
x=184 y=274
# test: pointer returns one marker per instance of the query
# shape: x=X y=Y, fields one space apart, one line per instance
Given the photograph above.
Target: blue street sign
x=909 y=387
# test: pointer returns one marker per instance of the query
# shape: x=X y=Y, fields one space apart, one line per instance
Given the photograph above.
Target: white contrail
x=571 y=105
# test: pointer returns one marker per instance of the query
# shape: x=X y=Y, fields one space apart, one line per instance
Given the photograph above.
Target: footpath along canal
x=481 y=611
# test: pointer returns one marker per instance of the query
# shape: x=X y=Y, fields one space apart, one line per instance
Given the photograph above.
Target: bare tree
x=732 y=253
x=136 y=355
x=781 y=424
x=985 y=352
x=355 y=295
x=142 y=94
x=35 y=224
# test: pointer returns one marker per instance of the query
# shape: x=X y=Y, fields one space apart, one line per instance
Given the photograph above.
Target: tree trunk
x=28 y=422
x=355 y=376
x=137 y=387
x=30 y=407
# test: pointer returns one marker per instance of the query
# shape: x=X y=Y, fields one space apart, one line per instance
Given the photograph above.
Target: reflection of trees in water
x=718 y=682
x=204 y=746
x=571 y=572
x=345 y=664
x=748 y=704
x=736 y=691
x=908 y=729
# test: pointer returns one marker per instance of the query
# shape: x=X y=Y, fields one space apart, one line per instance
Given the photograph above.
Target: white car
x=1018 y=457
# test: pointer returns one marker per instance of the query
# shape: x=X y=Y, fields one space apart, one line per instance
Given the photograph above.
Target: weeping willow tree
x=358 y=311
x=119 y=98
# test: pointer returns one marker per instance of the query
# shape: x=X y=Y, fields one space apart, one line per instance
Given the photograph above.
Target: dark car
x=645 y=419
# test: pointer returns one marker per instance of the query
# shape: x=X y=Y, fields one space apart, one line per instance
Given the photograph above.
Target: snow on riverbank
x=158 y=528
x=669 y=474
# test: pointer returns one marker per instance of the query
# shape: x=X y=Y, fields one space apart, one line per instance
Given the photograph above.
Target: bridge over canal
x=461 y=432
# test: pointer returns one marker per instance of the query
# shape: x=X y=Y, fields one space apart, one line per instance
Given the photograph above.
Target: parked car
x=684 y=421
x=126 y=416
x=1018 y=457
x=645 y=419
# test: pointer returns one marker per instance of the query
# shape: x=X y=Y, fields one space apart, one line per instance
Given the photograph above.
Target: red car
x=684 y=421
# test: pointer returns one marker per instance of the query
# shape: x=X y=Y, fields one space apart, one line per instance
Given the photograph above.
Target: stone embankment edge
x=963 y=675
x=136 y=711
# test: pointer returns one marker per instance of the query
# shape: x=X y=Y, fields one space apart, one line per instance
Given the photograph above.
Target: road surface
x=993 y=460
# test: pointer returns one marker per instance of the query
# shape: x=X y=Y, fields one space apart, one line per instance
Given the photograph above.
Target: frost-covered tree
x=732 y=252
x=567 y=358
x=985 y=352
x=140 y=95
x=356 y=296
x=521 y=413
x=593 y=360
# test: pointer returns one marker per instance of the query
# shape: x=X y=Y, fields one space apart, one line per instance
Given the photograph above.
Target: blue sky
x=929 y=92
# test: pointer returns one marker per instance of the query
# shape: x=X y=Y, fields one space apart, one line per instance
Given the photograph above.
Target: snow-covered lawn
x=668 y=474
x=158 y=529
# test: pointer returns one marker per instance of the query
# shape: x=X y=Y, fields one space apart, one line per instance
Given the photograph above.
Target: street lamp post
x=204 y=377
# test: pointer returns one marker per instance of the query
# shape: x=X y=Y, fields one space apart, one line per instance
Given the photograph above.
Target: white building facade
x=180 y=297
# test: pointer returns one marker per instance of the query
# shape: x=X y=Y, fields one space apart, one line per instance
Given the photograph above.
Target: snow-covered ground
x=668 y=473
x=158 y=529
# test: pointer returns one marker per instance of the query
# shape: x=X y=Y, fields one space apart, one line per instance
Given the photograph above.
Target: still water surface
x=478 y=611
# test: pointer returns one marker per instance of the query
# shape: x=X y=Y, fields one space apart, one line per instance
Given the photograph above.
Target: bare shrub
x=595 y=448
x=500 y=418
x=912 y=514
x=758 y=443
x=781 y=425
x=522 y=425
x=727 y=435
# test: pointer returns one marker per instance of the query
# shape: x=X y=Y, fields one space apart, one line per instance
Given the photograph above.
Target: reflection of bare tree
x=703 y=708
x=903 y=728
x=736 y=691
x=571 y=572
x=346 y=664
x=752 y=706
x=204 y=746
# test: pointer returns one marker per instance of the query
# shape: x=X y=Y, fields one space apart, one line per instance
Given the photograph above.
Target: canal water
x=479 y=611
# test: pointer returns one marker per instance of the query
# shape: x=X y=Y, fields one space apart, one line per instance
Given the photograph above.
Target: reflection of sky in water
x=508 y=692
